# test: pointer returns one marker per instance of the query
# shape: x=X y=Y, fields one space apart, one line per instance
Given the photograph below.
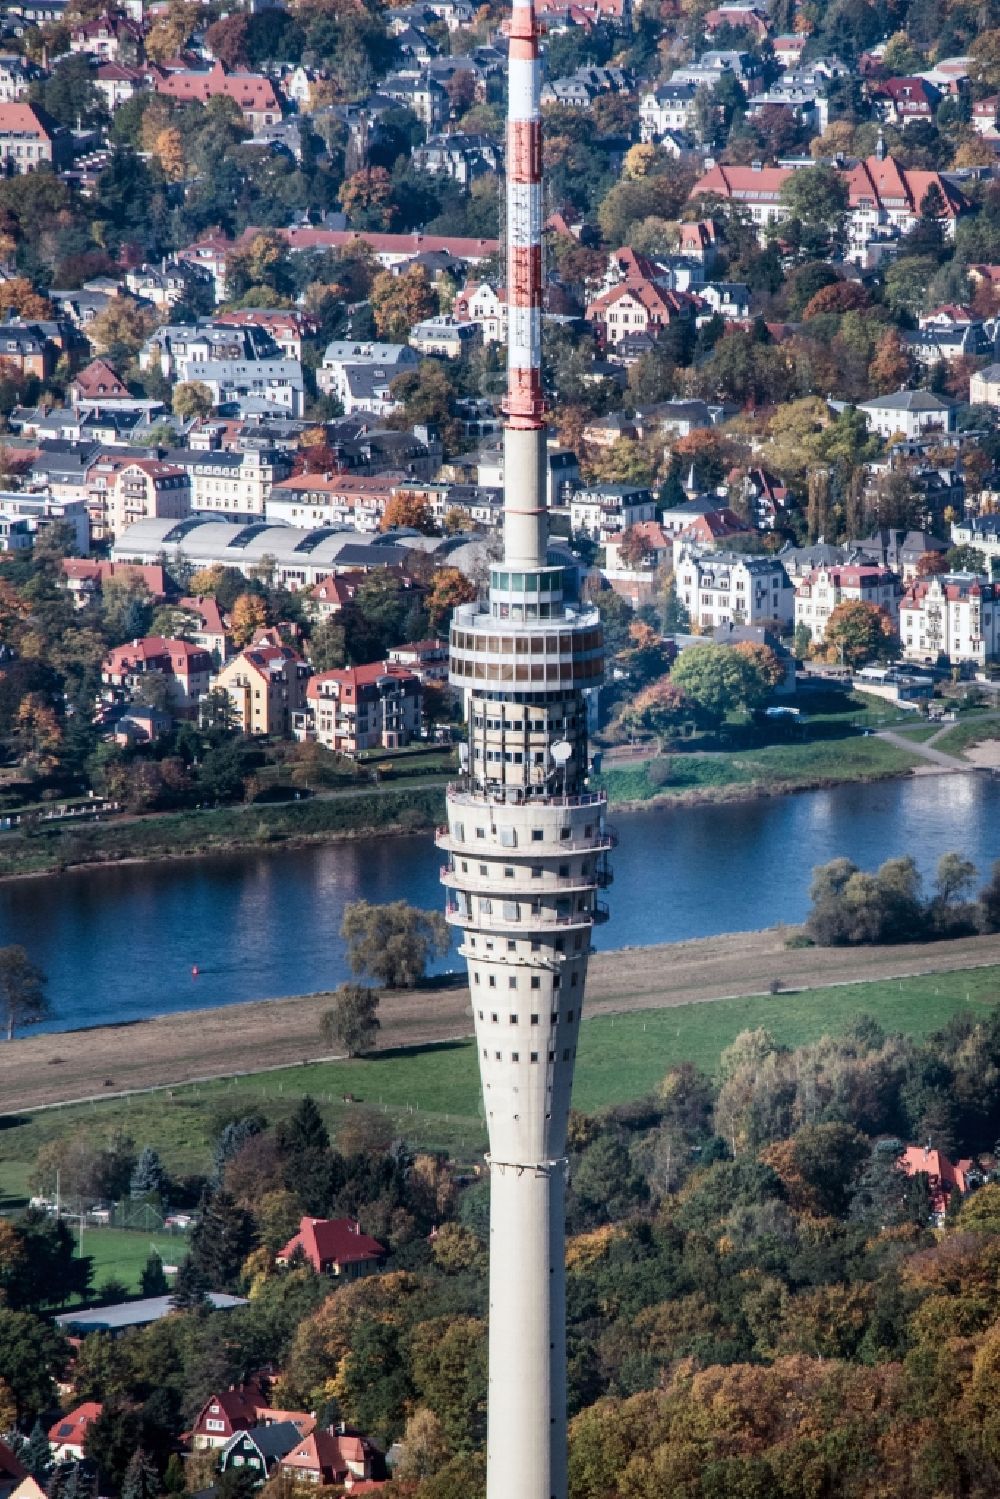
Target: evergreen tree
x=190 y=1287
x=305 y=1130
x=232 y=1140
x=148 y=1176
x=141 y=1478
x=675 y=617
x=36 y=1455
x=152 y=1280
x=222 y=1238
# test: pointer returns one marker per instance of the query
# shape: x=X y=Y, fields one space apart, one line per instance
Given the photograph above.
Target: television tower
x=527 y=849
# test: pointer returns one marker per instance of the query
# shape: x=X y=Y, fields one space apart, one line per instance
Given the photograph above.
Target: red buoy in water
x=194 y=971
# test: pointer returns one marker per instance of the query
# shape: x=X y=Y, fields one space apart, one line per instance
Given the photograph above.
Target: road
x=198 y=1044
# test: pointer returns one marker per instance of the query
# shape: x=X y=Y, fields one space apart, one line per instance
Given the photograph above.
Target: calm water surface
x=120 y=944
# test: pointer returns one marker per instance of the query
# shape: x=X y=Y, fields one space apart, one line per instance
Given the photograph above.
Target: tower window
x=512 y=981
x=536 y=982
x=537 y=835
x=515 y=1056
x=552 y=1056
x=534 y=1056
x=492 y=981
x=494 y=1017
x=513 y=1020
x=499 y=1056
x=534 y=1019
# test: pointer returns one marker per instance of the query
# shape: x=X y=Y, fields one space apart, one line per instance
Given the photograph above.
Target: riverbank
x=196 y=1045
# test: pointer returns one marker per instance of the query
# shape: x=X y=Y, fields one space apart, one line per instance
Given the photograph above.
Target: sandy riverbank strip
x=198 y=1044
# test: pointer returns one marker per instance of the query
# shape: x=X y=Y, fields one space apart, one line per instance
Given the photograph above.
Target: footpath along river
x=119 y=943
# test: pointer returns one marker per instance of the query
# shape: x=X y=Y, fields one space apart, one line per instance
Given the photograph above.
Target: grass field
x=121 y=1254
x=973 y=731
x=430 y=1094
x=773 y=767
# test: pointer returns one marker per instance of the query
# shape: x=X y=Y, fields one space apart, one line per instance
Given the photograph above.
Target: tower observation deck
x=527 y=854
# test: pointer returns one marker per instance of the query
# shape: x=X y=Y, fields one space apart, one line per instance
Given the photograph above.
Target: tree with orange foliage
x=38 y=733
x=842 y=296
x=890 y=367
x=931 y=564
x=24 y=300
x=249 y=615
x=398 y=302
x=168 y=149
x=449 y=588
x=410 y=511
x=366 y=198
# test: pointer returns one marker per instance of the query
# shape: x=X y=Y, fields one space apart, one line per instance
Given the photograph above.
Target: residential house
x=901 y=101
x=266 y=687
x=981 y=532
x=13 y=1473
x=97 y=383
x=986 y=116
x=908 y=412
x=444 y=336
x=902 y=551
x=943 y=1177
x=235 y=485
x=36 y=512
x=253 y=94
x=727 y=588
x=426 y=659
x=765 y=497
x=329 y=1457
x=225 y=1414
x=638 y=306
x=479 y=303
x=260 y=1449
x=255 y=385
x=17 y=74
x=85 y=579
x=377 y=706
x=141 y=725
x=30 y=348
x=635 y=577
x=330 y=596
x=604 y=511
x=180 y=350
x=146 y=488
x=954 y=617
x=119 y=82
x=984 y=386
x=334 y=1246
x=666 y=108
x=287 y=327
x=345 y=354
x=187 y=669
x=69 y=1434
x=710 y=529
x=332 y=499
x=463 y=158
x=819 y=593
x=29 y=137
x=422 y=94
x=205 y=625
x=109 y=37
x=170 y=283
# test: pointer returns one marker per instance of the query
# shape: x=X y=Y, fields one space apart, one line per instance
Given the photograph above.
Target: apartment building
x=30 y=137
x=266 y=687
x=186 y=668
x=956 y=618
x=819 y=593
x=146 y=489
x=726 y=588
x=234 y=485
x=603 y=511
x=377 y=706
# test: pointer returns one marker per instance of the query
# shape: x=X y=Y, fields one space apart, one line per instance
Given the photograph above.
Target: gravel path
x=199 y=1044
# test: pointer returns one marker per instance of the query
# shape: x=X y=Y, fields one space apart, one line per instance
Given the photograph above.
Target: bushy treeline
x=850 y=906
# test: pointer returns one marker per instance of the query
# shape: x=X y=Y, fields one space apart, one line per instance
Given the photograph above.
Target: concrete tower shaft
x=527 y=846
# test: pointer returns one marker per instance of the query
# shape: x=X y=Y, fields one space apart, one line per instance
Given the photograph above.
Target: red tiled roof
x=248 y=90
x=23 y=119
x=180 y=655
x=208 y=610
x=335 y=1240
x=11 y=1466
x=84 y=570
x=99 y=379
x=73 y=1426
x=462 y=247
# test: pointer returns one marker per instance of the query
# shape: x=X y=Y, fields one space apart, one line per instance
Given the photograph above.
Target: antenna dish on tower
x=561 y=751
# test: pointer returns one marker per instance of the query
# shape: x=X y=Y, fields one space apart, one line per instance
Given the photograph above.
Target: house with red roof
x=68 y=1435
x=30 y=136
x=207 y=628
x=86 y=578
x=187 y=669
x=253 y=94
x=955 y=617
x=638 y=306
x=885 y=199
x=391 y=250
x=99 y=383
x=377 y=706
x=900 y=101
x=327 y=1457
x=821 y=590
x=943 y=1178
x=12 y=1471
x=334 y=1246
x=331 y=595
x=224 y=1414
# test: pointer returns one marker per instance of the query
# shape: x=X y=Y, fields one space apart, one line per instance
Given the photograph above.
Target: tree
x=191 y=400
x=393 y=942
x=660 y=709
x=221 y=1240
x=21 y=297
x=141 y=1479
x=22 y=990
x=227 y=40
x=857 y=632
x=366 y=198
x=817 y=196
x=717 y=680
x=408 y=510
x=449 y=588
x=353 y=1022
x=249 y=615
x=327 y=646
x=120 y=330
x=34 y=1353
x=399 y=302
x=424 y=1448
x=989 y=900
x=149 y=1179
x=305 y=1130
x=152 y=1278
x=37 y=1455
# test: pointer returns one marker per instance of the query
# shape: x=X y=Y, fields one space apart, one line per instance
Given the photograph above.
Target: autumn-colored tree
x=171 y=30
x=121 y=329
x=191 y=399
x=456 y=519
x=890 y=367
x=22 y=298
x=930 y=564
x=366 y=198
x=168 y=148
x=638 y=160
x=249 y=615
x=659 y=709
x=259 y=263
x=984 y=59
x=399 y=302
x=837 y=139
x=227 y=40
x=205 y=581
x=449 y=588
x=764 y=662
x=410 y=510
x=857 y=632
x=843 y=296
x=38 y=733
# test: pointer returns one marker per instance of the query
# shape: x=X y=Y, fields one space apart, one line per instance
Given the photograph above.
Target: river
x=119 y=944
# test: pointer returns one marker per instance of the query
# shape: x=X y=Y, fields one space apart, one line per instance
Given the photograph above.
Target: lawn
x=430 y=1095
x=122 y=1255
x=776 y=766
x=963 y=735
